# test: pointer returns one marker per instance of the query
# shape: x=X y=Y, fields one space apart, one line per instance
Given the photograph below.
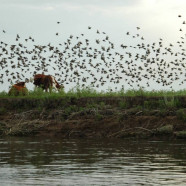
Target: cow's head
x=58 y=86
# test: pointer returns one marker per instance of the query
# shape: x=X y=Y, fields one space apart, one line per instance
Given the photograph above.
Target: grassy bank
x=87 y=113
x=90 y=92
x=126 y=99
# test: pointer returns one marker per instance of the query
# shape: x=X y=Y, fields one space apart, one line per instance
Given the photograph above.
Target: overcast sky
x=38 y=18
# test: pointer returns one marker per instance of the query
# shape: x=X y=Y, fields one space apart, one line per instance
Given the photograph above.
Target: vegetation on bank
x=90 y=92
x=88 y=113
x=93 y=119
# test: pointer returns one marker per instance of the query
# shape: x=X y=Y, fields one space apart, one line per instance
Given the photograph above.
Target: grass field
x=89 y=92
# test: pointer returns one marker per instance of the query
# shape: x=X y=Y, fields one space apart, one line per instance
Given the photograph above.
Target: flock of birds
x=96 y=63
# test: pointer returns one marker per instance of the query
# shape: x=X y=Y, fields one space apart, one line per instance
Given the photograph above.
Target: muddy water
x=41 y=161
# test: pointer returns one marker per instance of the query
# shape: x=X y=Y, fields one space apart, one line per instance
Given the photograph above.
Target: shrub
x=167 y=129
x=181 y=114
x=102 y=105
x=99 y=117
x=73 y=108
x=154 y=104
x=172 y=102
x=181 y=134
x=2 y=110
x=123 y=105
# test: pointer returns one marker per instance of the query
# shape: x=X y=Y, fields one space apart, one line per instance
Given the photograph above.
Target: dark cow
x=46 y=82
x=18 y=89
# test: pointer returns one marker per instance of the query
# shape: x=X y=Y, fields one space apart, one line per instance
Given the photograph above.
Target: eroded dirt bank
x=119 y=117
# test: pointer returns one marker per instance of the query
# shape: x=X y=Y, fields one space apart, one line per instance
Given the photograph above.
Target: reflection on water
x=41 y=161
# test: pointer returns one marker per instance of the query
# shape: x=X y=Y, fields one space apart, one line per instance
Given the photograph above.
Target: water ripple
x=27 y=161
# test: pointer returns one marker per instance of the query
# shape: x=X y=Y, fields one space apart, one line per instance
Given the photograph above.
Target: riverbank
x=94 y=117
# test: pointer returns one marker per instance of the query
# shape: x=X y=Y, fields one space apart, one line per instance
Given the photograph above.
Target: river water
x=55 y=161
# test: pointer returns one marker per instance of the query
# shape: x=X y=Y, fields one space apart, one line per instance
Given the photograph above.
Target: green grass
x=89 y=92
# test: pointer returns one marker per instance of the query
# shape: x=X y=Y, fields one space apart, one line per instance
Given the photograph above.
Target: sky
x=37 y=18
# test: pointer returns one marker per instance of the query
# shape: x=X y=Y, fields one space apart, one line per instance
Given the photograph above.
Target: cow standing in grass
x=18 y=89
x=46 y=82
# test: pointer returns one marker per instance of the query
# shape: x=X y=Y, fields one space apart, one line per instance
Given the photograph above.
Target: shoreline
x=94 y=117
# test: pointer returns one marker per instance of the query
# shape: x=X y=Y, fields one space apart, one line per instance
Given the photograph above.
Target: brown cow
x=18 y=89
x=46 y=82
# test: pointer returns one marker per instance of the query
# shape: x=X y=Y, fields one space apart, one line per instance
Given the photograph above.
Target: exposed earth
x=99 y=117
